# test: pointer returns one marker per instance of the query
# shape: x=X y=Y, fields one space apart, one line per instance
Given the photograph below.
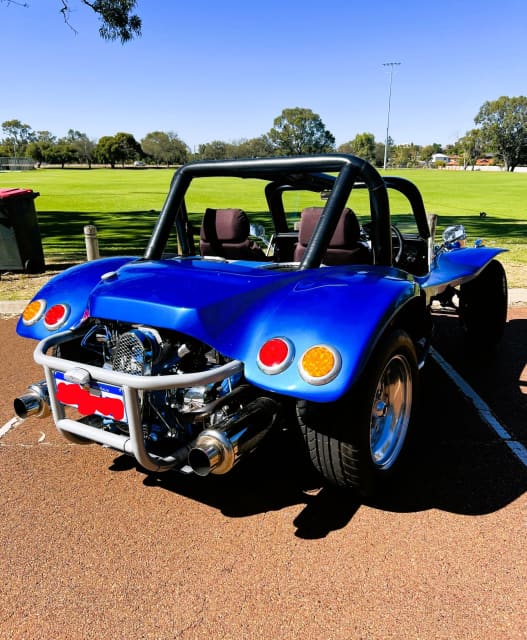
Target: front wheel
x=483 y=306
x=358 y=442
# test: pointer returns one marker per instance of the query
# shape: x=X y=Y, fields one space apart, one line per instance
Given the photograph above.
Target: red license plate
x=99 y=398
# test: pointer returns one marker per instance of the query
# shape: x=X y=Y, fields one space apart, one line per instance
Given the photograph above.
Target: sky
x=224 y=70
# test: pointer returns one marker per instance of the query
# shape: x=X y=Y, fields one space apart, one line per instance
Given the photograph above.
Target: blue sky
x=210 y=70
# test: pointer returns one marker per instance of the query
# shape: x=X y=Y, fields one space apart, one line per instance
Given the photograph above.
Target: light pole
x=391 y=65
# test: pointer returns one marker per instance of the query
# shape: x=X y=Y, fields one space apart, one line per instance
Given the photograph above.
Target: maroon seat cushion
x=343 y=247
x=225 y=233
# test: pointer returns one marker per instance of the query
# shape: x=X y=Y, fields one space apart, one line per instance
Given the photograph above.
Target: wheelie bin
x=20 y=240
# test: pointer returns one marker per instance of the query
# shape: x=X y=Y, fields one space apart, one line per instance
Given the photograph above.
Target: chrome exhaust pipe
x=33 y=403
x=218 y=450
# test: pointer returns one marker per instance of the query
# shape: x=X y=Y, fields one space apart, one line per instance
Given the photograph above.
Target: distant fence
x=16 y=164
x=476 y=168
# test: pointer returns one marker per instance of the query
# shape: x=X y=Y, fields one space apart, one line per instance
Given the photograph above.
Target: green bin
x=20 y=241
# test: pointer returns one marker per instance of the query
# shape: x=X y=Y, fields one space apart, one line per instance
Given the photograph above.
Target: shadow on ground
x=455 y=462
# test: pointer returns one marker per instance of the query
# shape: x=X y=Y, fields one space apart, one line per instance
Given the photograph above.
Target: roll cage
x=336 y=174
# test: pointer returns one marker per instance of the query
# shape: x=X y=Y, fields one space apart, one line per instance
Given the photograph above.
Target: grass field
x=124 y=204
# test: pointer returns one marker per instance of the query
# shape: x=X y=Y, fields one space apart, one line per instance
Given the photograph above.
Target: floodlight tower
x=391 y=65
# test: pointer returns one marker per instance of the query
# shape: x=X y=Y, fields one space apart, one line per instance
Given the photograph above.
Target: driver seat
x=344 y=246
x=225 y=233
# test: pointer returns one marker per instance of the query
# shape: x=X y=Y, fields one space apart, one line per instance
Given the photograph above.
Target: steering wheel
x=397 y=244
x=397 y=240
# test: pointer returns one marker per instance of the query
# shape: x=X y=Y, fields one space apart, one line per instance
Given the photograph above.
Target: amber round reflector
x=33 y=312
x=319 y=364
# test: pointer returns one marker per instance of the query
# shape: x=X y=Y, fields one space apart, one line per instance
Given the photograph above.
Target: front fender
x=71 y=287
x=455 y=267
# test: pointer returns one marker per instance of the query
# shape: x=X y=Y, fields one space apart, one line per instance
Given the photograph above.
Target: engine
x=170 y=417
x=204 y=428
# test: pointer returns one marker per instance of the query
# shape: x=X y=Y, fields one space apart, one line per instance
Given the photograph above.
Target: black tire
x=483 y=306
x=343 y=439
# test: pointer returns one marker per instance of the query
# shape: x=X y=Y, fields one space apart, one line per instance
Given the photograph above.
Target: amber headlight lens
x=319 y=364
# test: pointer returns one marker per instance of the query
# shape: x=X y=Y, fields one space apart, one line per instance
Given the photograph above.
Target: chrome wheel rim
x=390 y=416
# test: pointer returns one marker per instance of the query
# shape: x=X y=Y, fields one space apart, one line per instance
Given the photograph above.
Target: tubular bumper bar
x=131 y=385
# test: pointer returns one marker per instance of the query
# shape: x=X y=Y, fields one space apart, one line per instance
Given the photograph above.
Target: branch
x=117 y=19
x=65 y=14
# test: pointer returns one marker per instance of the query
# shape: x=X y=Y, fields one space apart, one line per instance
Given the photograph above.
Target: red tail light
x=275 y=355
x=56 y=316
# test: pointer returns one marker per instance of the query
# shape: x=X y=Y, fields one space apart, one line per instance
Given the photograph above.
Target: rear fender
x=350 y=320
x=71 y=287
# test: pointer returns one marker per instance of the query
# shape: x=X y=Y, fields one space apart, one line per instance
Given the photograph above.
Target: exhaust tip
x=33 y=403
x=20 y=408
x=199 y=462
x=212 y=453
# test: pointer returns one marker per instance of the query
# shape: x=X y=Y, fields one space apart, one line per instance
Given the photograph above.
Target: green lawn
x=124 y=205
x=460 y=196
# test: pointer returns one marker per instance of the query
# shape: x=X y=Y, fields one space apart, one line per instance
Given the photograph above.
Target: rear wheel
x=358 y=442
x=483 y=305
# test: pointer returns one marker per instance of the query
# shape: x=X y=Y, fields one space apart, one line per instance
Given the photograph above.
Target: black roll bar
x=289 y=169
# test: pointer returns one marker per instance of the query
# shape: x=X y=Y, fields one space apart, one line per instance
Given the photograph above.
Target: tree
x=18 y=136
x=405 y=155
x=60 y=153
x=41 y=147
x=254 y=148
x=118 y=148
x=215 y=150
x=84 y=147
x=37 y=151
x=300 y=131
x=165 y=148
x=116 y=17
x=363 y=145
x=471 y=145
x=504 y=128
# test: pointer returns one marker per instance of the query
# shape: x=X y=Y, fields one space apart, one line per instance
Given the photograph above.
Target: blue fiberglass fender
x=236 y=307
x=456 y=267
x=348 y=311
x=71 y=287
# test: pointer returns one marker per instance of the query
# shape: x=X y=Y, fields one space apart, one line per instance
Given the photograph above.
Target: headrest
x=224 y=225
x=347 y=231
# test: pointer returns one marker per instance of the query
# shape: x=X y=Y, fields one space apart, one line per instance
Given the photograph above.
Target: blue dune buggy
x=289 y=300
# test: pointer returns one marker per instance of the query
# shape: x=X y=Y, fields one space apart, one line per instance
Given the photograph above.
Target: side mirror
x=257 y=230
x=453 y=234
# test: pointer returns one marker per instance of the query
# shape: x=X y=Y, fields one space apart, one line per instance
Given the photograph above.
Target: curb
x=517 y=298
x=12 y=307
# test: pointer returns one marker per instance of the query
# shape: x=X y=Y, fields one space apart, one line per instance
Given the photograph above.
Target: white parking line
x=9 y=425
x=482 y=408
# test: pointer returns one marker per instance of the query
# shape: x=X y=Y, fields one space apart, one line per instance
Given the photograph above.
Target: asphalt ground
x=91 y=546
